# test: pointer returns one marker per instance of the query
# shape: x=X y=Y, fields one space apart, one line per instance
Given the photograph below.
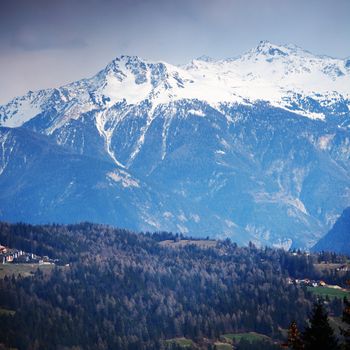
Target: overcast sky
x=46 y=43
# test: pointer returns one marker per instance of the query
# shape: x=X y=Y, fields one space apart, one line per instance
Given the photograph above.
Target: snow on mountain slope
x=276 y=73
x=21 y=109
x=253 y=148
x=280 y=75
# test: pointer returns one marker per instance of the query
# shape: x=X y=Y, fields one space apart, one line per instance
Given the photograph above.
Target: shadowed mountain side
x=338 y=238
x=44 y=182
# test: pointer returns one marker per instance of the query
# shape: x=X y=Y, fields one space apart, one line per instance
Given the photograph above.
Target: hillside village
x=313 y=283
x=18 y=256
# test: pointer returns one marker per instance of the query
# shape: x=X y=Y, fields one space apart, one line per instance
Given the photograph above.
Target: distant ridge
x=338 y=238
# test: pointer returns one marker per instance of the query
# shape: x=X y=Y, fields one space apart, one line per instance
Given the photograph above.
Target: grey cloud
x=86 y=34
x=33 y=40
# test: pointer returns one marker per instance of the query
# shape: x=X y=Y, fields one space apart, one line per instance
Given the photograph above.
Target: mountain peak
x=205 y=58
x=270 y=51
x=121 y=66
x=126 y=60
x=265 y=43
x=267 y=48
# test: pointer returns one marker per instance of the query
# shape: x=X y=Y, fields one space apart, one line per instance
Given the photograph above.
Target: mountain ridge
x=147 y=75
x=214 y=160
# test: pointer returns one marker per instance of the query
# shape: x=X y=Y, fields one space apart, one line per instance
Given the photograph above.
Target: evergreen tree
x=294 y=337
x=319 y=334
x=346 y=319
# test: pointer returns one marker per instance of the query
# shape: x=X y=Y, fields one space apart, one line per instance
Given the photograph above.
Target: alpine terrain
x=254 y=148
x=337 y=239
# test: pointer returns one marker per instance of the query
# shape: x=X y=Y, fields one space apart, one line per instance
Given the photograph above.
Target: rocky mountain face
x=252 y=148
x=337 y=239
x=42 y=181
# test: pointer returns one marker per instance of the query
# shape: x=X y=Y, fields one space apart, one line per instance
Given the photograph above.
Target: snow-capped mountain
x=280 y=75
x=255 y=147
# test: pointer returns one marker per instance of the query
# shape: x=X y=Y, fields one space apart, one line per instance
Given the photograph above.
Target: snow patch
x=324 y=141
x=196 y=218
x=7 y=146
x=123 y=177
x=168 y=215
x=198 y=113
x=230 y=223
x=182 y=217
x=101 y=121
x=25 y=110
x=182 y=228
x=285 y=244
x=280 y=197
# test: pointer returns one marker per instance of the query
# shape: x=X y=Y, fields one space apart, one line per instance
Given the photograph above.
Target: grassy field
x=250 y=336
x=327 y=291
x=182 y=243
x=23 y=269
x=186 y=343
x=322 y=267
x=222 y=346
x=7 y=312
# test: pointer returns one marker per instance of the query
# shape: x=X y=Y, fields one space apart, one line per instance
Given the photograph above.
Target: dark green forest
x=123 y=290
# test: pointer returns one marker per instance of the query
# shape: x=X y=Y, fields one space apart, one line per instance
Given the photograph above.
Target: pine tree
x=294 y=337
x=346 y=319
x=319 y=335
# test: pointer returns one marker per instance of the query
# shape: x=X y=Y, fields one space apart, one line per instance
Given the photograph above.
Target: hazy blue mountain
x=337 y=239
x=252 y=148
x=43 y=182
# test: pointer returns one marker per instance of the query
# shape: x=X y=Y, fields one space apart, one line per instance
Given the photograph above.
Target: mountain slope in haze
x=252 y=148
x=337 y=239
x=34 y=171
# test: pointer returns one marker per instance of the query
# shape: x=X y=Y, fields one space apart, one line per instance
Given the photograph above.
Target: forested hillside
x=123 y=290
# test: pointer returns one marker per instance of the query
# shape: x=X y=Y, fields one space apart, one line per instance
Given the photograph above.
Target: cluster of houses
x=9 y=255
x=343 y=268
x=306 y=282
x=311 y=283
